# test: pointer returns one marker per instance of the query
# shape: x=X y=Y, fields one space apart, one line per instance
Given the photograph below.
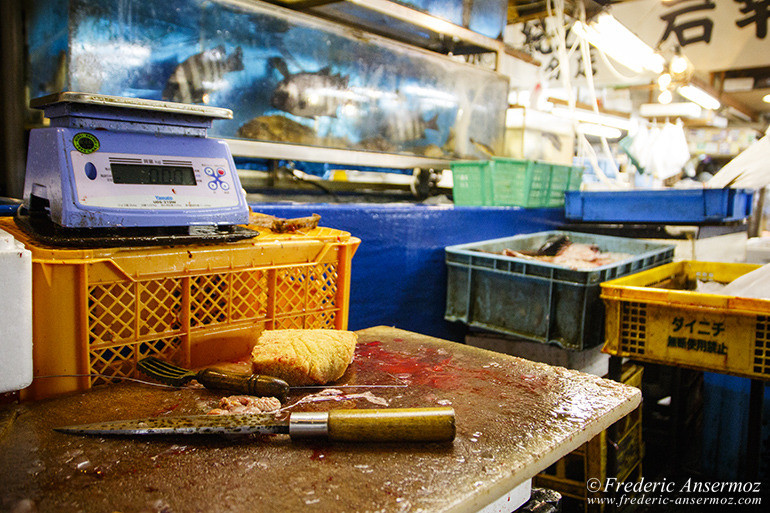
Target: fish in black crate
x=309 y=95
x=200 y=75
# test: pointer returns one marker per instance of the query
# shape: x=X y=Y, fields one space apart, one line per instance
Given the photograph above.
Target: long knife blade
x=185 y=425
x=372 y=425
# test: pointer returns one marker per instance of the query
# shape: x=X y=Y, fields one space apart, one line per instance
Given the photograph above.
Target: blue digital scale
x=112 y=171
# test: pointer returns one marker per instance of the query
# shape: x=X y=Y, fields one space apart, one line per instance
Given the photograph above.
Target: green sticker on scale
x=85 y=142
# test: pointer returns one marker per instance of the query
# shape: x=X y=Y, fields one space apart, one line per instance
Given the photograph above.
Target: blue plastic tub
x=660 y=205
x=535 y=300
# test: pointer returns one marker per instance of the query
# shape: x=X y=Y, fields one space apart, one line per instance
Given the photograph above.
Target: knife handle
x=250 y=384
x=392 y=425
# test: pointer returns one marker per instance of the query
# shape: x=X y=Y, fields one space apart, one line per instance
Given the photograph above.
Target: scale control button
x=209 y=171
x=224 y=185
x=213 y=185
x=90 y=170
x=221 y=172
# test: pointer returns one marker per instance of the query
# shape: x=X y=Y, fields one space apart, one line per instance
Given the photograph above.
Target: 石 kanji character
x=758 y=11
x=681 y=28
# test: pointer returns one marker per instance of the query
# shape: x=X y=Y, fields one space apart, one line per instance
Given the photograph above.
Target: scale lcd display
x=152 y=175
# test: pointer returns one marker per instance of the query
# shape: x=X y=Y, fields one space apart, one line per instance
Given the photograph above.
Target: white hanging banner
x=537 y=37
x=715 y=35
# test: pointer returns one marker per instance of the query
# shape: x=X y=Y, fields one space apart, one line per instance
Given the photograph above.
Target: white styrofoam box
x=16 y=308
x=728 y=248
x=590 y=361
x=758 y=250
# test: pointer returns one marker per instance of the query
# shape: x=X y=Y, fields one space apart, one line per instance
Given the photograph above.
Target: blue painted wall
x=398 y=276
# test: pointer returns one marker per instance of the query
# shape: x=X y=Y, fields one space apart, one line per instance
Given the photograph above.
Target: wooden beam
x=521 y=55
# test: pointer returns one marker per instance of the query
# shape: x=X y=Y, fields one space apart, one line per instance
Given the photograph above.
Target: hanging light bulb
x=664 y=80
x=665 y=97
x=679 y=64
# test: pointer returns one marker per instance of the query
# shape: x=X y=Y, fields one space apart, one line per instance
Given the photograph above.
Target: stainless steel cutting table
x=514 y=418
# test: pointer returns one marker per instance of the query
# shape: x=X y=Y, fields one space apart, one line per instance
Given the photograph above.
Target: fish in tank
x=308 y=94
x=287 y=76
x=201 y=74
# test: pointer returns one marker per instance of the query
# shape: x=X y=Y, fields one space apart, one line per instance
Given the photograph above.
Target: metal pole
x=755 y=221
x=12 y=107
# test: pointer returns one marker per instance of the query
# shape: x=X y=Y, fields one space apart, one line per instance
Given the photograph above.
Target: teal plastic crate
x=563 y=179
x=535 y=300
x=522 y=183
x=506 y=182
x=470 y=180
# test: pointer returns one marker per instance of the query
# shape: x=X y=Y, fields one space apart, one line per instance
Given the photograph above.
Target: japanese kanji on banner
x=537 y=37
x=715 y=35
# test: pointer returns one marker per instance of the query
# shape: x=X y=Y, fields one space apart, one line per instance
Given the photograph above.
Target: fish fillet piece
x=304 y=357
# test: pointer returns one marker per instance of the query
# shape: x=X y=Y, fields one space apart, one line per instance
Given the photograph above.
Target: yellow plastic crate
x=655 y=316
x=96 y=312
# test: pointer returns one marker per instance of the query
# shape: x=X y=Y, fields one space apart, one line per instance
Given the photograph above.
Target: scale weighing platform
x=113 y=171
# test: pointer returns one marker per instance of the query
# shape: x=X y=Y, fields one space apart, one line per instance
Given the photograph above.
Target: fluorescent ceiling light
x=607 y=132
x=741 y=84
x=699 y=96
x=587 y=116
x=611 y=37
x=741 y=115
x=672 y=110
x=766 y=98
x=537 y=120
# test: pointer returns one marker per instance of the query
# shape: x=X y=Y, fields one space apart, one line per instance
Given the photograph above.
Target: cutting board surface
x=514 y=418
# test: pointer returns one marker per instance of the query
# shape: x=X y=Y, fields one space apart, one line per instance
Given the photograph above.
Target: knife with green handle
x=372 y=425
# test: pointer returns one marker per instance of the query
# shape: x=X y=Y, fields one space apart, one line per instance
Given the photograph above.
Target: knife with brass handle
x=371 y=425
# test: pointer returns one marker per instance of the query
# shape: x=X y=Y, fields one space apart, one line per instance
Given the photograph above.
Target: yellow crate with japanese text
x=657 y=316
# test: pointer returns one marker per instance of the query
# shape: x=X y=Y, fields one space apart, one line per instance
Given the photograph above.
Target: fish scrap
x=281 y=225
x=560 y=250
x=333 y=394
x=246 y=405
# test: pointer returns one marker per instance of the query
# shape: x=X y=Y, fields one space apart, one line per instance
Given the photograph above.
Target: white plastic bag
x=755 y=284
x=750 y=169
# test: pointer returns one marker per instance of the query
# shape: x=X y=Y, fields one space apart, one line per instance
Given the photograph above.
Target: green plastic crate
x=470 y=180
x=575 y=178
x=502 y=182
x=563 y=179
